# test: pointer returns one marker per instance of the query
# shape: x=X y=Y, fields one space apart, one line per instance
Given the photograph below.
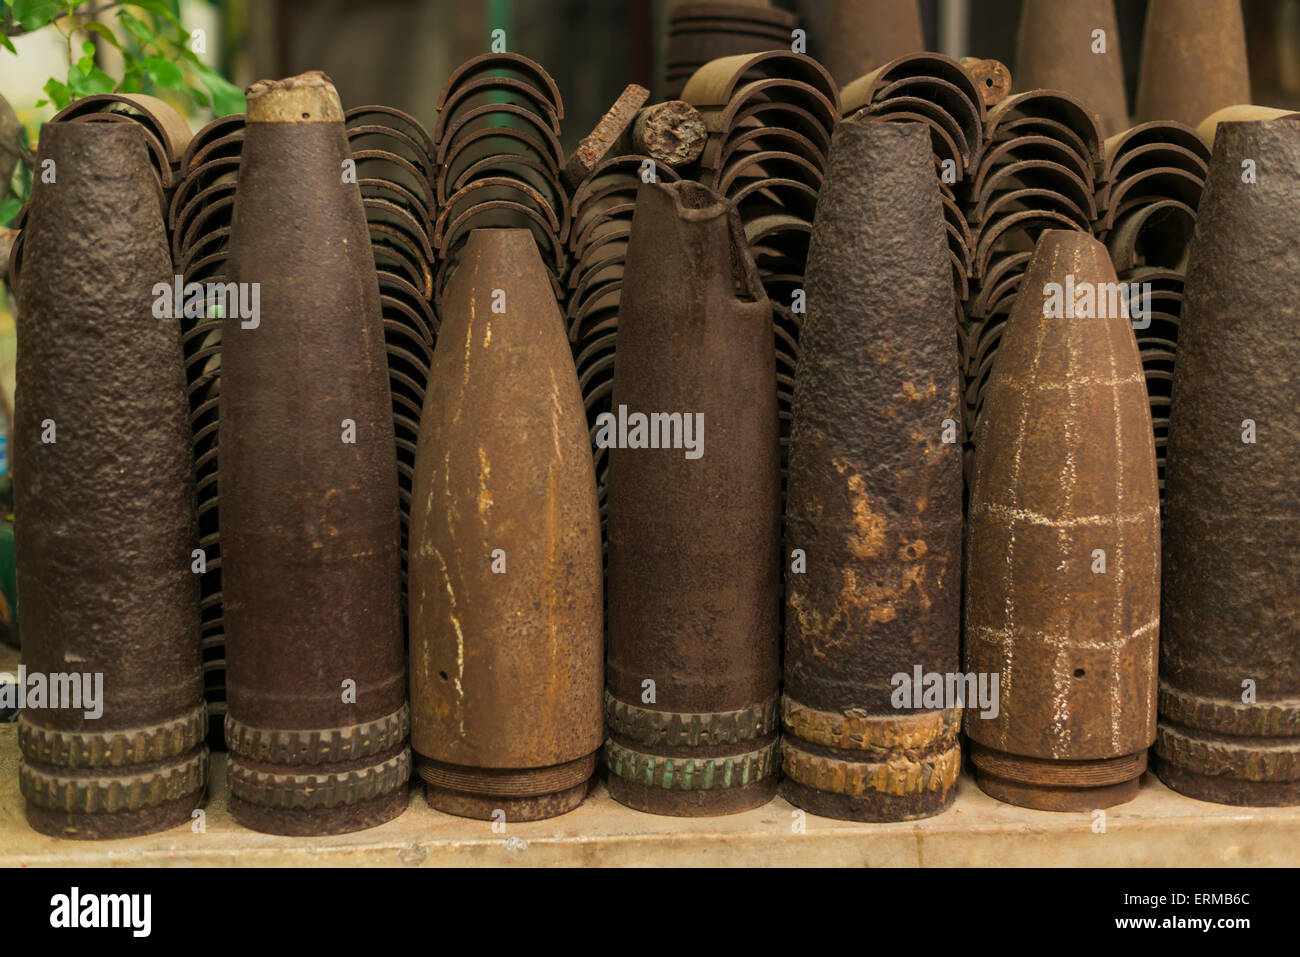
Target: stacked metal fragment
x=1151 y=181
x=602 y=224
x=199 y=221
x=394 y=168
x=1037 y=172
x=942 y=95
x=770 y=117
x=700 y=32
x=499 y=160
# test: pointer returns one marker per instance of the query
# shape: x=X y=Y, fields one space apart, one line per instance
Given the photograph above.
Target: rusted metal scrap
x=874 y=499
x=199 y=216
x=1063 y=544
x=612 y=128
x=505 y=573
x=1237 y=113
x=770 y=117
x=603 y=206
x=1193 y=60
x=395 y=172
x=863 y=34
x=317 y=722
x=499 y=160
x=1058 y=47
x=992 y=79
x=1147 y=195
x=104 y=500
x=694 y=529
x=671 y=133
x=1230 y=647
x=701 y=32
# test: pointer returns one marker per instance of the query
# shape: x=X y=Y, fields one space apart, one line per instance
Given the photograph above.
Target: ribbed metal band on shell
x=1250 y=761
x=520 y=782
x=321 y=790
x=901 y=775
x=112 y=749
x=1264 y=719
x=1058 y=773
x=112 y=795
x=697 y=773
x=689 y=729
x=323 y=746
x=853 y=731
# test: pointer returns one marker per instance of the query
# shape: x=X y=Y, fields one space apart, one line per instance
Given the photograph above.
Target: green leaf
x=103 y=31
x=8 y=44
x=34 y=14
x=130 y=76
x=89 y=82
x=88 y=48
x=163 y=72
x=159 y=8
x=9 y=207
x=141 y=31
x=58 y=93
x=226 y=97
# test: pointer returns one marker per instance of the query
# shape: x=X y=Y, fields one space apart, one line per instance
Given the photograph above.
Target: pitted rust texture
x=396 y=175
x=1237 y=113
x=874 y=497
x=199 y=215
x=863 y=34
x=613 y=127
x=1057 y=49
x=701 y=32
x=1231 y=615
x=1147 y=196
x=499 y=161
x=309 y=521
x=1065 y=480
x=671 y=133
x=992 y=79
x=694 y=542
x=603 y=205
x=506 y=664
x=1193 y=60
x=104 y=511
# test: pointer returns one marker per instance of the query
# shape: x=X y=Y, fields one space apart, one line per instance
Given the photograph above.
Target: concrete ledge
x=1159 y=828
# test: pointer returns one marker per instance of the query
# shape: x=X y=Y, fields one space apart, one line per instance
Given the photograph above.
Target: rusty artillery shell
x=1063 y=546
x=1230 y=650
x=694 y=535
x=104 y=499
x=505 y=556
x=874 y=499
x=863 y=34
x=1058 y=48
x=316 y=689
x=1193 y=60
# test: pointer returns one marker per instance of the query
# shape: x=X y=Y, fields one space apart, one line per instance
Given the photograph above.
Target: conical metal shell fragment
x=1074 y=47
x=863 y=34
x=317 y=724
x=694 y=516
x=1193 y=60
x=1230 y=648
x=505 y=556
x=1063 y=544
x=104 y=501
x=873 y=516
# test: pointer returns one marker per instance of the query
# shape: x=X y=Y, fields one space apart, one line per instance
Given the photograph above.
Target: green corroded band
x=675 y=729
x=694 y=773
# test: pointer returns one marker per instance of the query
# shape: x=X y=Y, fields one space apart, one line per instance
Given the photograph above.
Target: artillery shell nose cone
x=317 y=722
x=104 y=502
x=1230 y=648
x=874 y=497
x=306 y=98
x=1074 y=47
x=1063 y=543
x=505 y=559
x=1193 y=60
x=862 y=34
x=694 y=516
